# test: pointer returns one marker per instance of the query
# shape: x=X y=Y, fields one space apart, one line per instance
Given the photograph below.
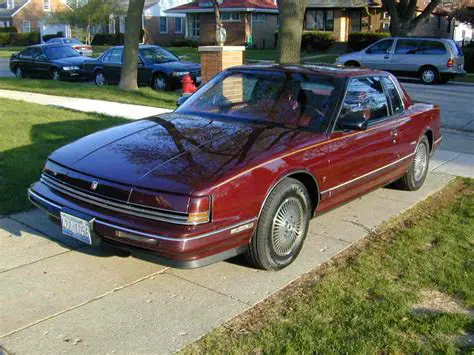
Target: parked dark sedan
x=242 y=165
x=157 y=67
x=57 y=62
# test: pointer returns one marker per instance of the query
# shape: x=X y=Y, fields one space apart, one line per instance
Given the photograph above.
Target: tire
x=19 y=73
x=416 y=173
x=160 y=83
x=99 y=79
x=352 y=64
x=282 y=227
x=429 y=75
x=55 y=75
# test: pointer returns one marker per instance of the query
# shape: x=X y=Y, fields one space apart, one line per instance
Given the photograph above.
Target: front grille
x=114 y=205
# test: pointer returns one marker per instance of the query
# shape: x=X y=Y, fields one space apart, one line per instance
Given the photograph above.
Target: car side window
x=114 y=56
x=392 y=92
x=36 y=52
x=382 y=47
x=407 y=46
x=27 y=53
x=432 y=47
x=365 y=98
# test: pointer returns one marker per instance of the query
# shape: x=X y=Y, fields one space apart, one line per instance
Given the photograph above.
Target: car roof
x=142 y=46
x=423 y=38
x=44 y=45
x=334 y=70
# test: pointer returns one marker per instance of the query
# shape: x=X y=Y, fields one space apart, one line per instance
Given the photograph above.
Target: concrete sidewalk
x=86 y=105
x=59 y=296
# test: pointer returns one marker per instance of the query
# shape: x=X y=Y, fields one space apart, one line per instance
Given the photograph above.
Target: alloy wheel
x=428 y=76
x=100 y=79
x=420 y=163
x=56 y=75
x=287 y=228
x=160 y=83
x=18 y=73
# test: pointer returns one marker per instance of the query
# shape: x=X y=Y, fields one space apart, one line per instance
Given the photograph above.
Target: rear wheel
x=416 y=173
x=282 y=227
x=429 y=75
x=100 y=79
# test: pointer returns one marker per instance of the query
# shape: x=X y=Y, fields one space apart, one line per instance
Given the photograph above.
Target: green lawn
x=382 y=296
x=6 y=52
x=468 y=78
x=145 y=96
x=29 y=134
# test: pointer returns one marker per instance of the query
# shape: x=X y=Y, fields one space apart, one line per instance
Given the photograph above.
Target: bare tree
x=404 y=19
x=291 y=29
x=133 y=24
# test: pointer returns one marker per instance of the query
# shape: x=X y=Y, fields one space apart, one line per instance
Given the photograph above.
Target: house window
x=355 y=17
x=259 y=18
x=386 y=16
x=163 y=24
x=321 y=20
x=230 y=16
x=386 y=26
x=439 y=21
x=194 y=26
x=112 y=25
x=178 y=25
x=122 y=25
x=26 y=26
x=10 y=4
x=46 y=5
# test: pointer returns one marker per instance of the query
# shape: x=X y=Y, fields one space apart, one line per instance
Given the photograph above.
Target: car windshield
x=60 y=52
x=272 y=97
x=158 y=55
x=72 y=41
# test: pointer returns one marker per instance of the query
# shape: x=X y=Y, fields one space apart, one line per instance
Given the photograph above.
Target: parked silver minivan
x=433 y=60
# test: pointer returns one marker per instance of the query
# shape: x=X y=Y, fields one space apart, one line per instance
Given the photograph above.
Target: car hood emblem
x=94 y=185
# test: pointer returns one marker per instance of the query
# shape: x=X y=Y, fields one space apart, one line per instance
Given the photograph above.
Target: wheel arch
x=429 y=134
x=307 y=179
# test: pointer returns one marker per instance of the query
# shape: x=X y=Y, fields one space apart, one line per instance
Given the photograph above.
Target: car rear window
x=273 y=97
x=392 y=92
x=410 y=46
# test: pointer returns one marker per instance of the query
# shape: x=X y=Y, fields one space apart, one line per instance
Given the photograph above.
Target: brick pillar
x=215 y=59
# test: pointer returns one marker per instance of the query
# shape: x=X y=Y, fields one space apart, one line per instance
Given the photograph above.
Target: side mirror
x=182 y=99
x=358 y=123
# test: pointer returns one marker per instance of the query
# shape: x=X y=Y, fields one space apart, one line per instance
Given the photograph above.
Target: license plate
x=198 y=79
x=76 y=228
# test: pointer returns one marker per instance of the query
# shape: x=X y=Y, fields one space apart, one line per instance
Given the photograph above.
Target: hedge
x=468 y=59
x=360 y=40
x=317 y=40
x=19 y=39
x=8 y=30
x=105 y=39
x=184 y=42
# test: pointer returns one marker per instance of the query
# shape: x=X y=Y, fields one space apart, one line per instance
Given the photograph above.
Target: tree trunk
x=133 y=24
x=291 y=29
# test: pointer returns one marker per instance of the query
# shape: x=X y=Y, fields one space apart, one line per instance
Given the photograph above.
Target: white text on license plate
x=76 y=228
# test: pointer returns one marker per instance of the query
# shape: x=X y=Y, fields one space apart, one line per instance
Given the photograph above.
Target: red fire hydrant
x=188 y=84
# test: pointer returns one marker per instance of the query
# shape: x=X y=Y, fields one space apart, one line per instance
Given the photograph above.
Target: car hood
x=78 y=61
x=178 y=66
x=178 y=153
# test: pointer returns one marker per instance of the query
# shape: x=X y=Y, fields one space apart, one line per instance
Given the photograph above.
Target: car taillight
x=199 y=210
x=450 y=63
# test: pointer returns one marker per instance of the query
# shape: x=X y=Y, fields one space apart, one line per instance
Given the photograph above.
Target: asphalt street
x=5 y=69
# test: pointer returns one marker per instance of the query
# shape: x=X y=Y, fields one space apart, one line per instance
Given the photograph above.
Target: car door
x=144 y=71
x=378 y=56
x=113 y=65
x=40 y=64
x=25 y=61
x=362 y=160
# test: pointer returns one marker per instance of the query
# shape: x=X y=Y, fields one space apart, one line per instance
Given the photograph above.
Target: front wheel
x=99 y=79
x=282 y=227
x=161 y=83
x=56 y=75
x=416 y=173
x=18 y=73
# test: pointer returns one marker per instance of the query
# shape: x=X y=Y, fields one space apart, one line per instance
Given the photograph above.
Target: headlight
x=180 y=73
x=71 y=68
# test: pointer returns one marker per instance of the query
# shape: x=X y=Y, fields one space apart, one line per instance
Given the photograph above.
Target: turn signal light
x=199 y=210
x=450 y=63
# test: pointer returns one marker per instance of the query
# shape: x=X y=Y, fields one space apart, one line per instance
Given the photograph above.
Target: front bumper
x=171 y=244
x=73 y=75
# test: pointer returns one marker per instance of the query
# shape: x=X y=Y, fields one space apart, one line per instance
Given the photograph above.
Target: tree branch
x=426 y=13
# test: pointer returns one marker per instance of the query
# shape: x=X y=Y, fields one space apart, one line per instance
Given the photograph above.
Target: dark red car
x=242 y=165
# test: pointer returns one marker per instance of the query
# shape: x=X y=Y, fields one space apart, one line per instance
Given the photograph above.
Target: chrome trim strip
x=43 y=199
x=369 y=173
x=159 y=237
x=110 y=200
x=112 y=206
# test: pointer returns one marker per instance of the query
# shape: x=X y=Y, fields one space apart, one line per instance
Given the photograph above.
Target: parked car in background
x=242 y=165
x=433 y=60
x=157 y=67
x=57 y=62
x=83 y=49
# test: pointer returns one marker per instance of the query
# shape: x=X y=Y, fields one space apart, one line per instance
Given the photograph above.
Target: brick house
x=246 y=21
x=28 y=15
x=161 y=27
